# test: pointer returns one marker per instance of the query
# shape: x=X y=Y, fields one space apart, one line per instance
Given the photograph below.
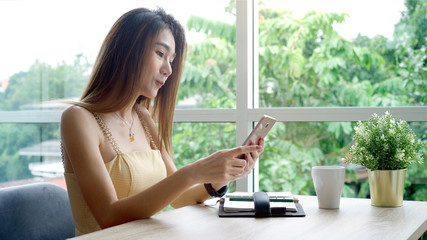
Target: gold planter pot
x=387 y=187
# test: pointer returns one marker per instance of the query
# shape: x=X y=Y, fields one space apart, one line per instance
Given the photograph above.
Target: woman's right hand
x=222 y=166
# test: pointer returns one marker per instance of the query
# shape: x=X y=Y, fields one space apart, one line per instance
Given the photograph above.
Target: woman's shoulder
x=76 y=114
x=78 y=121
x=143 y=110
x=147 y=117
x=146 y=114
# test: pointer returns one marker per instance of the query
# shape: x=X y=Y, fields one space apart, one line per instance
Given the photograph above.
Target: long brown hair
x=120 y=65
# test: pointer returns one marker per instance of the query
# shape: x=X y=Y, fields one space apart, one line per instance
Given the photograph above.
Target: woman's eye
x=160 y=53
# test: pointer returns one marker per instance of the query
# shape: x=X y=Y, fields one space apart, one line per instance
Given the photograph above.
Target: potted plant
x=386 y=147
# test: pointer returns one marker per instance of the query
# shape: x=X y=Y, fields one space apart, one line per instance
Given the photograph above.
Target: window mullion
x=244 y=78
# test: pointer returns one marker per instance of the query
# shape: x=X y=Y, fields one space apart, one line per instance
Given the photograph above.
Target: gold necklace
x=131 y=134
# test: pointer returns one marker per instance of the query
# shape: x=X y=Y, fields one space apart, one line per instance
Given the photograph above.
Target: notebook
x=243 y=201
x=274 y=204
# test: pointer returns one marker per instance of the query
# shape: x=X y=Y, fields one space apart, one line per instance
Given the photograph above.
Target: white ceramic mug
x=328 y=184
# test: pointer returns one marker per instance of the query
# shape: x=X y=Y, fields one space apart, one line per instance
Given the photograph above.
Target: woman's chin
x=150 y=95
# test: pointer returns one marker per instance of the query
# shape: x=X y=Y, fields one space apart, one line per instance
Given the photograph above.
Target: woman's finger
x=261 y=143
x=254 y=155
x=240 y=163
x=237 y=151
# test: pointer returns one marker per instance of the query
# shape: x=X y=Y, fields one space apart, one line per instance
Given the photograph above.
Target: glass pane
x=193 y=141
x=294 y=148
x=342 y=53
x=58 y=41
x=30 y=153
x=209 y=78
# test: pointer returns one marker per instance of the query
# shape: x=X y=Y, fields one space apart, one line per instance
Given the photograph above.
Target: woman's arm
x=198 y=193
x=82 y=139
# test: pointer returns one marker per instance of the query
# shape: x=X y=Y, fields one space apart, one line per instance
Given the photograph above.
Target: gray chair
x=35 y=211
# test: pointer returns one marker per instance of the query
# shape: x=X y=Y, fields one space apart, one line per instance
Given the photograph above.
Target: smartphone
x=261 y=129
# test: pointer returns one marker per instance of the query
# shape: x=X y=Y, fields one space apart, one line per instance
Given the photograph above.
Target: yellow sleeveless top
x=130 y=173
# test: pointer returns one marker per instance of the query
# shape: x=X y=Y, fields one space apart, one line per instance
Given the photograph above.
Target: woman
x=117 y=161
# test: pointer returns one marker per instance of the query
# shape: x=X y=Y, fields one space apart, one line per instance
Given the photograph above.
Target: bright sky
x=56 y=30
x=369 y=17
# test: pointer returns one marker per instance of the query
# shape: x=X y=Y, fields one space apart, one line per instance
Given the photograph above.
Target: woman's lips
x=160 y=83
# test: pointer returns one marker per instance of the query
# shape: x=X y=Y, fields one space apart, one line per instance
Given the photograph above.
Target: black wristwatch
x=221 y=192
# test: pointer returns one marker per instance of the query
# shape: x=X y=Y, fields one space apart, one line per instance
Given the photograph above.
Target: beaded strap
x=62 y=154
x=147 y=131
x=106 y=132
x=110 y=138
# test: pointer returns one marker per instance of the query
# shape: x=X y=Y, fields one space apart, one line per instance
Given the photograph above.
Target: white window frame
x=247 y=109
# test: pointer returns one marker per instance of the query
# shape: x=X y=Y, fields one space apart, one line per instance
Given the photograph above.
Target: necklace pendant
x=132 y=136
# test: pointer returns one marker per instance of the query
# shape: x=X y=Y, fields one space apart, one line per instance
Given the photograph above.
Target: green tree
x=211 y=65
x=43 y=82
x=410 y=42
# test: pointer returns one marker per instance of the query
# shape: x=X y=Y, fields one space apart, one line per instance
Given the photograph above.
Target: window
x=246 y=59
x=323 y=65
x=57 y=43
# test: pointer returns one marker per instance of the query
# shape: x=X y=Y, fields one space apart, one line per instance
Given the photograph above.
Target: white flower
x=356 y=129
x=400 y=155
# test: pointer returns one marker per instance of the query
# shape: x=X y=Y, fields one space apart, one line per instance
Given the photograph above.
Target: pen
x=271 y=199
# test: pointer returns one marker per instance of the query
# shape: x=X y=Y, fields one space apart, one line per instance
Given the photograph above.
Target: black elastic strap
x=262 y=204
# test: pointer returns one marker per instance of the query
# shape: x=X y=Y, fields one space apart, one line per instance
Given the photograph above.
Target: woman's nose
x=166 y=69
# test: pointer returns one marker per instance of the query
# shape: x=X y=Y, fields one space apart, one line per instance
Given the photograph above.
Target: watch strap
x=214 y=193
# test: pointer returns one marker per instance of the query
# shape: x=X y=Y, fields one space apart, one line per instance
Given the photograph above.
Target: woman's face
x=158 y=64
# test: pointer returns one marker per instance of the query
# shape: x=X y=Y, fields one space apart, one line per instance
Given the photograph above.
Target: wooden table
x=356 y=219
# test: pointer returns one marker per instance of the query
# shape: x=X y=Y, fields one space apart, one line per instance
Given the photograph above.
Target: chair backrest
x=35 y=211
